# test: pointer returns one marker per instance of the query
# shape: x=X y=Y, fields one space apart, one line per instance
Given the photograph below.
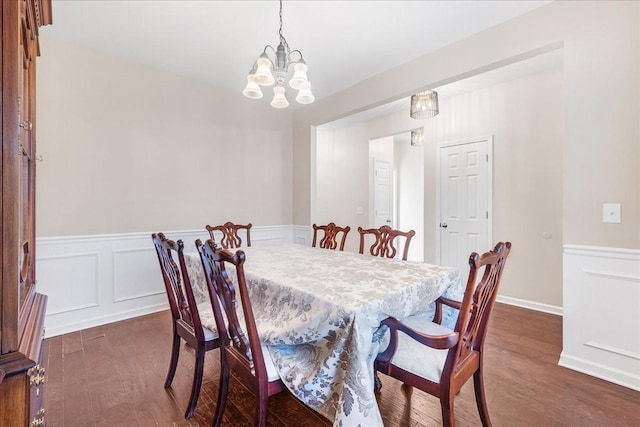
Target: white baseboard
x=531 y=305
x=77 y=324
x=598 y=370
x=97 y=279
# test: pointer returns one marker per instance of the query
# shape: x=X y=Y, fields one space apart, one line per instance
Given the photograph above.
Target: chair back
x=383 y=246
x=330 y=238
x=230 y=237
x=242 y=345
x=177 y=284
x=477 y=304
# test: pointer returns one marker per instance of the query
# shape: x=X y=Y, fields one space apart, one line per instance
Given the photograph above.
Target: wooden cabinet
x=22 y=309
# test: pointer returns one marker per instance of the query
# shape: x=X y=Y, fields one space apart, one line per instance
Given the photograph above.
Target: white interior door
x=382 y=201
x=465 y=196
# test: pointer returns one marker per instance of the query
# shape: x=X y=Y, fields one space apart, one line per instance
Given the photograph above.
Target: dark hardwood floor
x=113 y=375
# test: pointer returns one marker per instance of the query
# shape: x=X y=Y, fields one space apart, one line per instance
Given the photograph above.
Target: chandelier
x=417 y=137
x=280 y=61
x=424 y=105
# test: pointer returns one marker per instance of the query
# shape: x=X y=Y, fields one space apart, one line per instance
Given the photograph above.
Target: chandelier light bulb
x=252 y=89
x=305 y=96
x=299 y=80
x=263 y=75
x=279 y=98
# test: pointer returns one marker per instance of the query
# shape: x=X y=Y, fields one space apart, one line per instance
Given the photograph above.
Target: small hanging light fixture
x=417 y=137
x=424 y=105
x=283 y=58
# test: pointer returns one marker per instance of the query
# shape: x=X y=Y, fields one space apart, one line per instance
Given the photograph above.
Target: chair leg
x=446 y=402
x=481 y=400
x=175 y=352
x=223 y=391
x=197 y=383
x=261 y=409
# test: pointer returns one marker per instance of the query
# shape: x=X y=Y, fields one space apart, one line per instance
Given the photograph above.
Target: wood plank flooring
x=113 y=376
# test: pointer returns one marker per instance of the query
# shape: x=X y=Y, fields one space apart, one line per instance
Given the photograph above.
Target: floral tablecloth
x=320 y=310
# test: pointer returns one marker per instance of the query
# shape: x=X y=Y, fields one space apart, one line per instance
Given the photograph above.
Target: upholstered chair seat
x=420 y=360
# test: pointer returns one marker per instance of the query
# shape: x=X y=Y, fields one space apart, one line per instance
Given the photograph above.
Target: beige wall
x=128 y=148
x=527 y=172
x=342 y=169
x=600 y=107
x=408 y=163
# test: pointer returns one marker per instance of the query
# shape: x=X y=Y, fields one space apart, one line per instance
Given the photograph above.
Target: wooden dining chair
x=242 y=351
x=437 y=360
x=230 y=237
x=185 y=314
x=330 y=237
x=383 y=246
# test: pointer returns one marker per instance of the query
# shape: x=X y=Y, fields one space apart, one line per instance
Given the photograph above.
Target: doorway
x=397 y=188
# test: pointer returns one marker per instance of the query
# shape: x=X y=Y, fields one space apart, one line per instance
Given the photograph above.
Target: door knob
x=443 y=225
x=388 y=221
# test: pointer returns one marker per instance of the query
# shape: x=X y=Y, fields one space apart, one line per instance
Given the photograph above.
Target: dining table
x=319 y=313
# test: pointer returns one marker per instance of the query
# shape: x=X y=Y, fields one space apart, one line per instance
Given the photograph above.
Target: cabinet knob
x=37 y=422
x=26 y=125
x=36 y=375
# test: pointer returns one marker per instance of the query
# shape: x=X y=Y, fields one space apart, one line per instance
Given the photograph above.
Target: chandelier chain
x=282 y=39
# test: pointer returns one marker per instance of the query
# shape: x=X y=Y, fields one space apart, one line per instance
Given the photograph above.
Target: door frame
x=489 y=140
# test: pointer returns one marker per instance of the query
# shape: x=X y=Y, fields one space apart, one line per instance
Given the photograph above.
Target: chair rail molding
x=601 y=309
x=97 y=279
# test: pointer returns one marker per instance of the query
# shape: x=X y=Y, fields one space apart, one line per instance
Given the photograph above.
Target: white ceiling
x=343 y=42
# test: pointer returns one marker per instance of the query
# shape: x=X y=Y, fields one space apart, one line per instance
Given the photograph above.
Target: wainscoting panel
x=93 y=280
x=601 y=325
x=56 y=269
x=132 y=269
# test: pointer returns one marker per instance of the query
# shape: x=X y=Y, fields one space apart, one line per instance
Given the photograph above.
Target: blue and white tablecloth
x=319 y=312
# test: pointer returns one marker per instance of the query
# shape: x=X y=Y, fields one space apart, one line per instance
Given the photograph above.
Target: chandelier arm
x=290 y=59
x=265 y=51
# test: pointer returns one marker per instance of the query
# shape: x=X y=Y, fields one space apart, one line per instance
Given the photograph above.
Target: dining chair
x=241 y=351
x=230 y=237
x=330 y=238
x=384 y=241
x=185 y=314
x=438 y=360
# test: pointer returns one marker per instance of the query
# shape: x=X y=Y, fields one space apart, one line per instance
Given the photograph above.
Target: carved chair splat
x=230 y=237
x=385 y=237
x=330 y=237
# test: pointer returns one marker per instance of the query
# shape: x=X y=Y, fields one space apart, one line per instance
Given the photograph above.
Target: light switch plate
x=611 y=213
